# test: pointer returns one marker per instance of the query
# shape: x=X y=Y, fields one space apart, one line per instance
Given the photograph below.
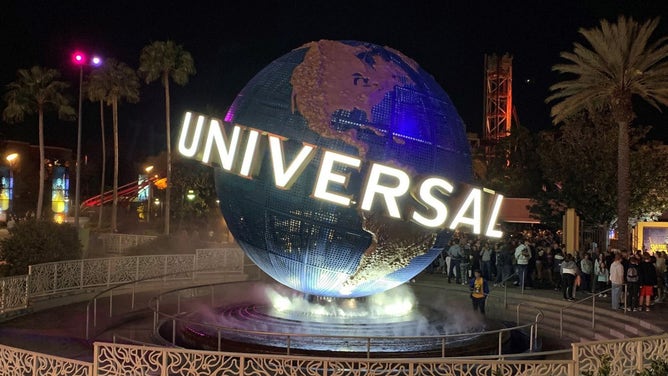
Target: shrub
x=34 y=242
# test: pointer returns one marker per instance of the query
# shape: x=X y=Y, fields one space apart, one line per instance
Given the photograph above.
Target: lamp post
x=9 y=189
x=79 y=59
x=148 y=199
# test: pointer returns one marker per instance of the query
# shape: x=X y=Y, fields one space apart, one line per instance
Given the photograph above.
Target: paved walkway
x=60 y=330
x=658 y=312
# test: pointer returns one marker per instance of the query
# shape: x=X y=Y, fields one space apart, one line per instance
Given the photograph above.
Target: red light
x=79 y=58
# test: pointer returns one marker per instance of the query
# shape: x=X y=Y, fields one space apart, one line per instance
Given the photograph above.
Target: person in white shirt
x=522 y=255
x=617 y=280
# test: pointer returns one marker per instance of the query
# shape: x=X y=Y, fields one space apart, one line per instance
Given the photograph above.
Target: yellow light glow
x=12 y=157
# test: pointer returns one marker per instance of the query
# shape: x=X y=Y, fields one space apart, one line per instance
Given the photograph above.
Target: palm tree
x=165 y=60
x=112 y=83
x=619 y=64
x=37 y=90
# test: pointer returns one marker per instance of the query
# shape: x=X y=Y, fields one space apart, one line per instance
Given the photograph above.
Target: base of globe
x=297 y=324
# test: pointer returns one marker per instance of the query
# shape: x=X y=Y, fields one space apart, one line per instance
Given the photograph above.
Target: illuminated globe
x=360 y=100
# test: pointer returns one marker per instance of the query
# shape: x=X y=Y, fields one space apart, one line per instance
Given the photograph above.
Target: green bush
x=34 y=242
x=657 y=367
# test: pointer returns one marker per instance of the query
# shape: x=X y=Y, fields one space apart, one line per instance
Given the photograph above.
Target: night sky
x=232 y=40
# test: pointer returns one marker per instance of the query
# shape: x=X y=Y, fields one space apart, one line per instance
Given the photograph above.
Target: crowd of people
x=635 y=280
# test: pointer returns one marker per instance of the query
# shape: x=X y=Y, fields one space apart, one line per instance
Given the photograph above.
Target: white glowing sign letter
x=491 y=232
x=474 y=198
x=190 y=151
x=249 y=155
x=439 y=207
x=285 y=177
x=226 y=149
x=390 y=194
x=326 y=175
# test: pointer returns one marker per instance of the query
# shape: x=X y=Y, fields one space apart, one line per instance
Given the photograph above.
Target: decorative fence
x=626 y=356
x=17 y=362
x=126 y=360
x=13 y=293
x=57 y=277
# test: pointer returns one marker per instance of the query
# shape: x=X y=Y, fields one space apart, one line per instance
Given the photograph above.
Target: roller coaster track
x=126 y=193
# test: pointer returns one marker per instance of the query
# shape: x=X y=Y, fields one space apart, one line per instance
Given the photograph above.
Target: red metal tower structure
x=498 y=98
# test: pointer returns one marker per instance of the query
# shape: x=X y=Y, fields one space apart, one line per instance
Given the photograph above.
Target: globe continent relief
x=357 y=99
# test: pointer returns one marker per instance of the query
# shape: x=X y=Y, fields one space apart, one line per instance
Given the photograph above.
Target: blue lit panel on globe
x=358 y=99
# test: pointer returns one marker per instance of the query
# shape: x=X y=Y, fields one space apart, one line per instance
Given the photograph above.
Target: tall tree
x=37 y=90
x=113 y=83
x=619 y=64
x=166 y=60
x=589 y=142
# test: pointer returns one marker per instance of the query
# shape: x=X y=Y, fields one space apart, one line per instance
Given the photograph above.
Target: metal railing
x=53 y=278
x=593 y=308
x=91 y=306
x=288 y=338
x=15 y=361
x=13 y=293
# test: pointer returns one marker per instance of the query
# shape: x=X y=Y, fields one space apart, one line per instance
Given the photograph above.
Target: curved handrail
x=154 y=304
x=93 y=301
x=593 y=308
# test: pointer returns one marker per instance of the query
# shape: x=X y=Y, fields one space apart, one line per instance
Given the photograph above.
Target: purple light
x=96 y=61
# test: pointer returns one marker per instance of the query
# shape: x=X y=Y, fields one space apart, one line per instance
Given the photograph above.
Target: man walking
x=455 y=253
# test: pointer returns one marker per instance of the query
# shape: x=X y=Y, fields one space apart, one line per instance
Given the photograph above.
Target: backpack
x=632 y=274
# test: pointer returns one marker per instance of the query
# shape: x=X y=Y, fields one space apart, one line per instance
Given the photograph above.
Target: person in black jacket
x=647 y=280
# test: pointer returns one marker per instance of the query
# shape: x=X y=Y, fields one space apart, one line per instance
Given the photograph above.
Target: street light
x=80 y=59
x=148 y=199
x=6 y=192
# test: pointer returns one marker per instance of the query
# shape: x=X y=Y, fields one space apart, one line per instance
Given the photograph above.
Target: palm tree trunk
x=104 y=165
x=623 y=188
x=114 y=207
x=168 y=192
x=42 y=173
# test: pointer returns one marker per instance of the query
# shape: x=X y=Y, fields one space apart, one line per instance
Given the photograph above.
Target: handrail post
x=626 y=297
x=287 y=348
x=443 y=347
x=500 y=343
x=156 y=316
x=531 y=335
x=108 y=271
x=81 y=275
x=368 y=347
x=87 y=320
x=593 y=313
x=111 y=303
x=561 y=322
x=55 y=277
x=173 y=331
x=219 y=339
